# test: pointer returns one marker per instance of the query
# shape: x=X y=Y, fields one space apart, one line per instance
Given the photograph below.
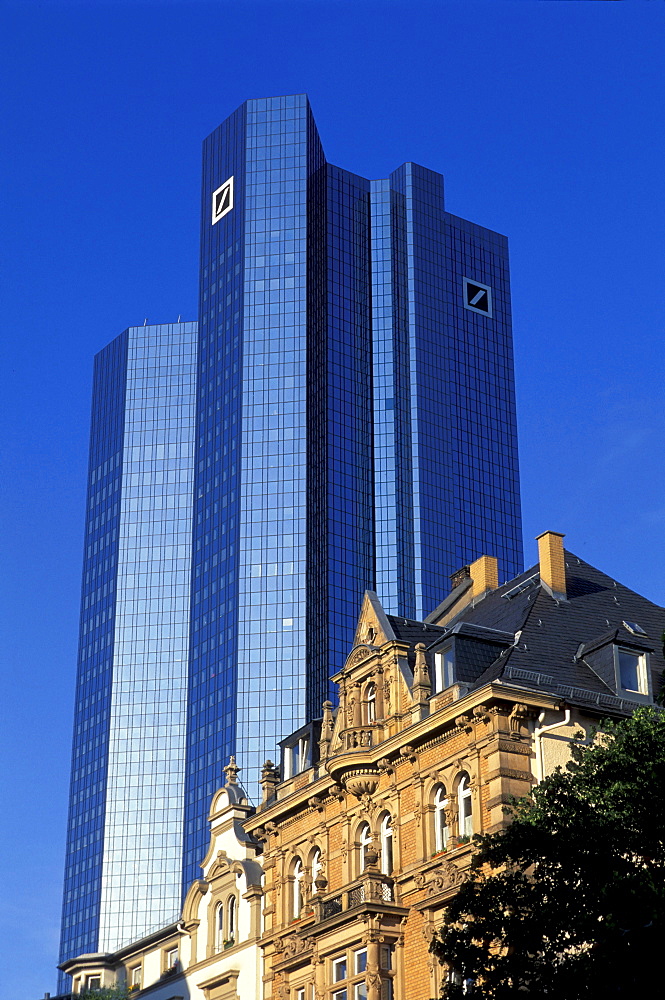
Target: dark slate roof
x=548 y=655
x=413 y=632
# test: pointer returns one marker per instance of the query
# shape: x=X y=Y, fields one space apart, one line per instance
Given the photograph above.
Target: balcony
x=371 y=889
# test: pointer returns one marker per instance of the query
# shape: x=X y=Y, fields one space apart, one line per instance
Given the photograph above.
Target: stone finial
x=269 y=781
x=326 y=730
x=232 y=771
x=422 y=686
x=421 y=672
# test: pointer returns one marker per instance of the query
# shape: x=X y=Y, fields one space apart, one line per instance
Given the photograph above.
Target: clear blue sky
x=546 y=119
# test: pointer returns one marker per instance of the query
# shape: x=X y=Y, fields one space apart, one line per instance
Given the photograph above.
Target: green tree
x=106 y=993
x=569 y=901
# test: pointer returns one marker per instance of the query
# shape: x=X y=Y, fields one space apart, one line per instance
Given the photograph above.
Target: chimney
x=480 y=578
x=552 y=563
x=485 y=575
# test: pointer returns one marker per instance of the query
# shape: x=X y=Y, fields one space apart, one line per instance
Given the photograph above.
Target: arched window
x=440 y=827
x=315 y=866
x=365 y=841
x=370 y=704
x=231 y=919
x=464 y=814
x=219 y=927
x=386 y=845
x=297 y=901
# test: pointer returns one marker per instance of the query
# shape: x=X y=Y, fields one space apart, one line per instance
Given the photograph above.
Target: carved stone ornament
x=289 y=945
x=464 y=722
x=428 y=928
x=361 y=783
x=516 y=718
x=445 y=876
x=358 y=656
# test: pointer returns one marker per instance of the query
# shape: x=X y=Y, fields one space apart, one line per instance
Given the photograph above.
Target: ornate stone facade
x=363 y=853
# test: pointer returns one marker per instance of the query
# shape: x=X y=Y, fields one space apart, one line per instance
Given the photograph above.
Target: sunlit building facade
x=124 y=844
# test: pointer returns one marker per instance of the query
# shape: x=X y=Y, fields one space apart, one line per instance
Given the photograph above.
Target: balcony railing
x=371 y=887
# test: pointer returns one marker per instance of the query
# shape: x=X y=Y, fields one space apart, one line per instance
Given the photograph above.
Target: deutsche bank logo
x=222 y=200
x=477 y=297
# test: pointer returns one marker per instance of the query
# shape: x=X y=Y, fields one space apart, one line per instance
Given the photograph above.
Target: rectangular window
x=360 y=960
x=629 y=670
x=340 y=995
x=360 y=991
x=444 y=669
x=632 y=672
x=171 y=958
x=339 y=969
x=93 y=983
x=135 y=976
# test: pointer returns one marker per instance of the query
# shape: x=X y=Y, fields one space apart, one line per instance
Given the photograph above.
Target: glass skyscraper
x=355 y=425
x=124 y=844
x=352 y=427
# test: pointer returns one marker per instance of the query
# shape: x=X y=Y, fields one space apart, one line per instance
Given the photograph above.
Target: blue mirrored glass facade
x=345 y=420
x=124 y=844
x=355 y=426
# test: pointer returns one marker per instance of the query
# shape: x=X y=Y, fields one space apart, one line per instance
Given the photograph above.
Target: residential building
x=124 y=841
x=333 y=888
x=440 y=724
x=212 y=951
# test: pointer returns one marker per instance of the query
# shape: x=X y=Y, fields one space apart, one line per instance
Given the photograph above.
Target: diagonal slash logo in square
x=222 y=200
x=477 y=297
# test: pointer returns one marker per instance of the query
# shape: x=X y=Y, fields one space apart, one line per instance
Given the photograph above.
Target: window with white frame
x=632 y=671
x=171 y=958
x=93 y=982
x=386 y=845
x=231 y=908
x=444 y=669
x=364 y=843
x=219 y=927
x=135 y=976
x=339 y=969
x=464 y=806
x=297 y=899
x=440 y=823
x=315 y=866
x=370 y=704
x=296 y=757
x=348 y=971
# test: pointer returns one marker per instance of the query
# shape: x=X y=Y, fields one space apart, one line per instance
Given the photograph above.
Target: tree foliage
x=106 y=993
x=569 y=901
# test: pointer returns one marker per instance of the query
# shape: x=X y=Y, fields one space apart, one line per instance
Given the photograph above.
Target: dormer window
x=296 y=757
x=444 y=669
x=632 y=671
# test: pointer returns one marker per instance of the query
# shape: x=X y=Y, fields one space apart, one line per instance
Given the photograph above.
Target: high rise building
x=354 y=429
x=355 y=424
x=124 y=844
